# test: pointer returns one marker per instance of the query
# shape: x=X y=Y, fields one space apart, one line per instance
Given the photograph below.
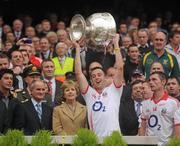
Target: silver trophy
x=98 y=30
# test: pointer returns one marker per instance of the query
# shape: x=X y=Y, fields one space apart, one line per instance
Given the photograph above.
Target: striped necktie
x=39 y=110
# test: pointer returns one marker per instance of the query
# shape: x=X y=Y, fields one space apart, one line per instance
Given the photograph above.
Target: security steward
x=30 y=74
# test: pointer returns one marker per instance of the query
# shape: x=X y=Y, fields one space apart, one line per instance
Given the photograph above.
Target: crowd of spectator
x=48 y=81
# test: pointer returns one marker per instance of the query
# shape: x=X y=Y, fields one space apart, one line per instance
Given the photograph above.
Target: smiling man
x=102 y=101
x=37 y=114
x=159 y=54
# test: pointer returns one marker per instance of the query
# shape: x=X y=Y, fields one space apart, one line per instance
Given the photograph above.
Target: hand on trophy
x=76 y=44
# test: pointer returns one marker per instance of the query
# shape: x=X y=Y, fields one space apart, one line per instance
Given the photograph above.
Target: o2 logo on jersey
x=153 y=122
x=97 y=106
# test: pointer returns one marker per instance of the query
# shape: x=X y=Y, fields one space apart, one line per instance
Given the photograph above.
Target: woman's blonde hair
x=67 y=84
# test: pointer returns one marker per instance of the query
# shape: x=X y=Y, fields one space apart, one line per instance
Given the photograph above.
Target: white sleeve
x=88 y=94
x=177 y=117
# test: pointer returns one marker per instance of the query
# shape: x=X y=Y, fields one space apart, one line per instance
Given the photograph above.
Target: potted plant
x=42 y=138
x=174 y=142
x=13 y=138
x=115 y=139
x=85 y=137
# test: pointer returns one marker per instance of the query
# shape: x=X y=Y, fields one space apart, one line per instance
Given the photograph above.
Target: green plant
x=13 y=138
x=174 y=142
x=115 y=139
x=42 y=138
x=1 y=140
x=85 y=137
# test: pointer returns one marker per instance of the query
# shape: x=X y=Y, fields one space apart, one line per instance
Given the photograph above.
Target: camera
x=27 y=41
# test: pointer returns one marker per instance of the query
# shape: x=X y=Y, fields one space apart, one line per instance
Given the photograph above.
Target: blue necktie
x=138 y=110
x=39 y=111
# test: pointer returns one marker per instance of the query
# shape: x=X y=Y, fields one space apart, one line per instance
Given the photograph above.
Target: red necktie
x=50 y=87
x=176 y=50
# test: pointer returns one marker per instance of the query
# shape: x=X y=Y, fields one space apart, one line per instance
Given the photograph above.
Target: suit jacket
x=20 y=37
x=11 y=115
x=64 y=122
x=126 y=93
x=3 y=117
x=31 y=120
x=50 y=55
x=58 y=99
x=128 y=119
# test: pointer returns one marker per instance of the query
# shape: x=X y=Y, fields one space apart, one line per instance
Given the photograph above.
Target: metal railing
x=131 y=140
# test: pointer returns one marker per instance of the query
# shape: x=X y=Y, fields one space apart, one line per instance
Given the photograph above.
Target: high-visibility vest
x=67 y=66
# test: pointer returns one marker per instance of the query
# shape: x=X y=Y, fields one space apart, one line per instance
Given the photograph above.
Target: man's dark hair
x=11 y=52
x=2 y=55
x=97 y=68
x=161 y=75
x=136 y=82
x=4 y=71
x=173 y=33
x=46 y=60
x=132 y=45
x=176 y=78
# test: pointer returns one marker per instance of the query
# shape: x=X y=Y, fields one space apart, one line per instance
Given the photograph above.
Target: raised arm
x=119 y=77
x=82 y=81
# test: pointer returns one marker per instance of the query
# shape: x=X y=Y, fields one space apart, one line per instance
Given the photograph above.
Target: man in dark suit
x=18 y=29
x=37 y=114
x=45 y=52
x=10 y=108
x=131 y=110
x=143 y=38
x=2 y=116
x=48 y=69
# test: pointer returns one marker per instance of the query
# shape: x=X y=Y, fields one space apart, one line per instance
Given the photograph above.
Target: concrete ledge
x=131 y=140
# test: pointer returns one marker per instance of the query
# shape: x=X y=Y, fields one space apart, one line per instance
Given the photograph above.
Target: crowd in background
x=37 y=68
